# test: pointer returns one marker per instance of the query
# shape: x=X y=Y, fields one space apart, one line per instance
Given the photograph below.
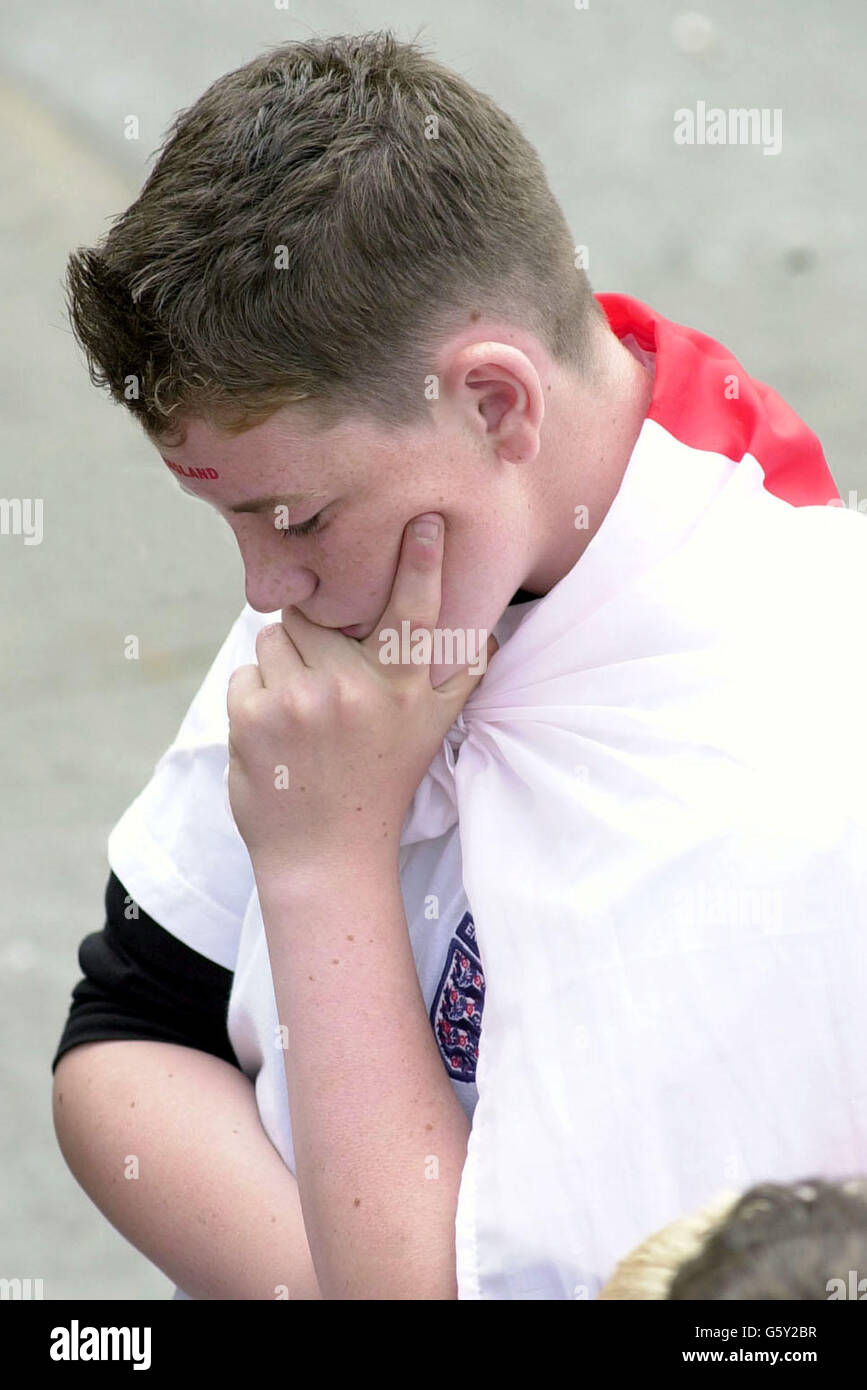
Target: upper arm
x=141 y=982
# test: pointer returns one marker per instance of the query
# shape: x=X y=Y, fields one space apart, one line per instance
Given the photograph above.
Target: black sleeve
x=142 y=982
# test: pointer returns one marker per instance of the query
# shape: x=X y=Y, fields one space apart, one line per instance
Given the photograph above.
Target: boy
x=345 y=302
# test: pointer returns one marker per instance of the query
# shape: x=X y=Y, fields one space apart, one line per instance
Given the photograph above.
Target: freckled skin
x=515 y=439
x=372 y=486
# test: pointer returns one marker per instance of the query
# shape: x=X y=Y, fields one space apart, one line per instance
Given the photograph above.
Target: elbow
x=61 y=1106
x=66 y=1107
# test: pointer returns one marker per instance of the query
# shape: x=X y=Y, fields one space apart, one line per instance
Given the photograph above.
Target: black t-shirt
x=141 y=982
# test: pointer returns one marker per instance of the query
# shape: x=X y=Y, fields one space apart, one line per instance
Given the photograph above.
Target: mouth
x=356 y=630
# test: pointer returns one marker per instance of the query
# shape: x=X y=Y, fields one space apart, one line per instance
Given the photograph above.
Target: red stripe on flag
x=690 y=402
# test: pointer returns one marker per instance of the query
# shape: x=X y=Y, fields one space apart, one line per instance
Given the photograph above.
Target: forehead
x=286 y=456
x=232 y=470
x=270 y=444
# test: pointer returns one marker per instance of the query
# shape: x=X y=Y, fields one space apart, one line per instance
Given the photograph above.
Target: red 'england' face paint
x=190 y=472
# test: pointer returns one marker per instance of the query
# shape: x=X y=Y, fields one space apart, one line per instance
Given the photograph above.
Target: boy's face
x=368 y=484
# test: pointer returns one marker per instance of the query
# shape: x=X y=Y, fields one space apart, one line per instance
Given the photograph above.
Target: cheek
x=477 y=572
x=358 y=560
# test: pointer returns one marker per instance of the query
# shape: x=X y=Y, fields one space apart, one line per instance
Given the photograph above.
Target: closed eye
x=303 y=528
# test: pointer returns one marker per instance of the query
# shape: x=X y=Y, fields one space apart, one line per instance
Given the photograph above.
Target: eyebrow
x=261 y=504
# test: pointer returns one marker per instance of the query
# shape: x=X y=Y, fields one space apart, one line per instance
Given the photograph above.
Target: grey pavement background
x=765 y=253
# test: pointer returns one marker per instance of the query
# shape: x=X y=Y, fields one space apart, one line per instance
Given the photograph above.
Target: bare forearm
x=380 y=1137
x=213 y=1205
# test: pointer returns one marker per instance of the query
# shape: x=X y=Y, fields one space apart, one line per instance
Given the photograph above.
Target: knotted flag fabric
x=660 y=787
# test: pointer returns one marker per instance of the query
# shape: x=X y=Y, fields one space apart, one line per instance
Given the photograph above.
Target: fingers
x=244 y=680
x=311 y=643
x=416 y=594
x=280 y=659
x=245 y=686
x=460 y=686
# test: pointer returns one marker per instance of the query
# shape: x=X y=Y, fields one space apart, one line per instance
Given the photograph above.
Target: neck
x=590 y=443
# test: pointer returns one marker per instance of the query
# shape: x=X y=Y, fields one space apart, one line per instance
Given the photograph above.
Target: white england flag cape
x=648 y=825
x=661 y=792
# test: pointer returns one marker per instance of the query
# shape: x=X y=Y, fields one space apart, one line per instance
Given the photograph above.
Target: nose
x=283 y=591
x=271 y=581
x=269 y=587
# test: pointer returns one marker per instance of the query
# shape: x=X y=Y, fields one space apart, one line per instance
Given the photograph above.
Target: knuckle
x=288 y=700
x=347 y=695
x=296 y=702
x=248 y=708
x=421 y=619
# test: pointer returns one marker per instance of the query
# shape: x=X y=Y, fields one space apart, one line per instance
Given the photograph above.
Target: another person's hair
x=777 y=1241
x=316 y=224
x=647 y=1271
